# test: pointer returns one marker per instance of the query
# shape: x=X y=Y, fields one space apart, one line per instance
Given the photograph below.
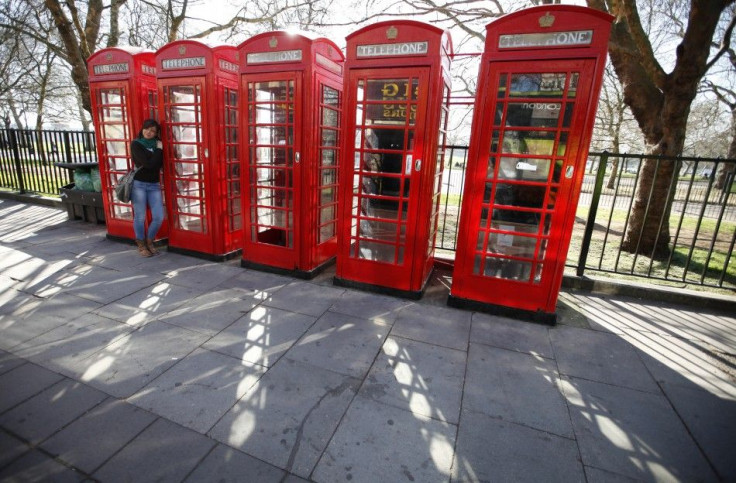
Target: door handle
x=569 y=171
x=297 y=157
x=418 y=165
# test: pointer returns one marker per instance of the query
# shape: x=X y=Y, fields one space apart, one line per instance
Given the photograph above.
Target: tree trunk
x=73 y=49
x=660 y=102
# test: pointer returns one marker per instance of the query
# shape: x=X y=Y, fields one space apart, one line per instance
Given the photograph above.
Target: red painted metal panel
x=290 y=114
x=198 y=102
x=397 y=72
x=121 y=81
x=539 y=83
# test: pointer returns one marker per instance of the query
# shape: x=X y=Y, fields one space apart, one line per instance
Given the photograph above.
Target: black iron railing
x=702 y=218
x=28 y=157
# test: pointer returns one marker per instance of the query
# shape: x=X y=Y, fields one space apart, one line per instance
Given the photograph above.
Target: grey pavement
x=118 y=368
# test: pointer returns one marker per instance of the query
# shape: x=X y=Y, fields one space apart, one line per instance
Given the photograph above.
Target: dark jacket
x=150 y=162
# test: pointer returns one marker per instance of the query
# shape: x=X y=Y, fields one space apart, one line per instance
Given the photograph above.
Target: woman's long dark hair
x=151 y=123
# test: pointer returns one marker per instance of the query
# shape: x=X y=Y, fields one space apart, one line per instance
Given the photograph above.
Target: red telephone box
x=198 y=101
x=122 y=83
x=397 y=90
x=291 y=124
x=537 y=96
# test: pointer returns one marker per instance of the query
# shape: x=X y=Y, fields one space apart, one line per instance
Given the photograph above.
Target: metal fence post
x=13 y=135
x=589 y=225
x=68 y=148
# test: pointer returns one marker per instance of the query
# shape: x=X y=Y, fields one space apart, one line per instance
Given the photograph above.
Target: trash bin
x=81 y=205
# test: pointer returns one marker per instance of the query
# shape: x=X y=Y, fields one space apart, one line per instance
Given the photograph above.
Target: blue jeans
x=147 y=195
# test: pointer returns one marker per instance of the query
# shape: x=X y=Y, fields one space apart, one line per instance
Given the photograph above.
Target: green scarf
x=149 y=144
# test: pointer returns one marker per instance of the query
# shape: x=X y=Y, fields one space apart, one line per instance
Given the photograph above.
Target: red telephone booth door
x=527 y=175
x=183 y=103
x=380 y=208
x=274 y=160
x=112 y=121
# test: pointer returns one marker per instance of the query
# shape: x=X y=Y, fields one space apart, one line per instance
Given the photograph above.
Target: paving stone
x=65 y=348
x=601 y=357
x=199 y=389
x=715 y=435
x=262 y=336
x=8 y=362
x=203 y=277
x=341 y=343
x=226 y=464
x=376 y=442
x=36 y=466
x=675 y=361
x=597 y=475
x=369 y=306
x=491 y=449
x=104 y=285
x=516 y=387
x=10 y=448
x=147 y=304
x=511 y=334
x=422 y=378
x=632 y=433
x=288 y=417
x=132 y=361
x=23 y=382
x=78 y=445
x=44 y=316
x=121 y=257
x=212 y=312
x=264 y=283
x=52 y=409
x=163 y=452
x=304 y=298
x=434 y=325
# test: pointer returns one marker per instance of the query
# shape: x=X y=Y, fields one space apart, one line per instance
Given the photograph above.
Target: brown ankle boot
x=142 y=248
x=151 y=247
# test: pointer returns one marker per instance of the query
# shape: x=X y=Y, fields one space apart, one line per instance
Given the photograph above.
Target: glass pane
x=392 y=89
x=529 y=142
x=376 y=251
x=537 y=85
x=573 y=90
x=329 y=177
x=533 y=114
x=328 y=157
x=188 y=187
x=271 y=217
x=272 y=91
x=330 y=96
x=502 y=86
x=190 y=223
x=508 y=269
x=116 y=147
x=182 y=95
x=111 y=96
x=111 y=114
x=527 y=169
x=123 y=212
x=187 y=169
x=568 y=114
x=327 y=213
x=329 y=137
x=562 y=147
x=512 y=245
x=519 y=195
x=113 y=131
x=327 y=232
x=328 y=195
x=329 y=117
